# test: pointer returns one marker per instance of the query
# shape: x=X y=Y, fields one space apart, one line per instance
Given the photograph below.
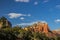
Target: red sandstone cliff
x=41 y=27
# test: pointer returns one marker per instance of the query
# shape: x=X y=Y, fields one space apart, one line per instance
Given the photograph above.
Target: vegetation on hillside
x=18 y=33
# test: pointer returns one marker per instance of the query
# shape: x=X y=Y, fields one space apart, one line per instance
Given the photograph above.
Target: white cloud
x=45 y=1
x=16 y=15
x=32 y=23
x=57 y=20
x=22 y=18
x=26 y=23
x=29 y=15
x=58 y=6
x=43 y=22
x=35 y=3
x=22 y=0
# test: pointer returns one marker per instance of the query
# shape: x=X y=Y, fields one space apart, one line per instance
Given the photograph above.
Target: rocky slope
x=57 y=32
x=4 y=23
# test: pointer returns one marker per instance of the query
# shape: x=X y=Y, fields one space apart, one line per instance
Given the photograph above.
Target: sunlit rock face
x=40 y=27
x=1 y=24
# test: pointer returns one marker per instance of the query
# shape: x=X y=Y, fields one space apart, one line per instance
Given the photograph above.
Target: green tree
x=5 y=35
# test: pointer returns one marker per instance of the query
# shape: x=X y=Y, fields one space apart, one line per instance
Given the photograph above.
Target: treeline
x=18 y=33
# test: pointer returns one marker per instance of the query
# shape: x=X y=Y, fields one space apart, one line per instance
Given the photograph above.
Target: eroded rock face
x=40 y=27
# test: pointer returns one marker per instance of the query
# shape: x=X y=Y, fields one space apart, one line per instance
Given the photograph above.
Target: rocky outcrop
x=42 y=28
x=4 y=23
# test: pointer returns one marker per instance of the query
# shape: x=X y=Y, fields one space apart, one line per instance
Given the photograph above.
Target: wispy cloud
x=16 y=15
x=25 y=24
x=22 y=18
x=45 y=1
x=58 y=6
x=22 y=0
x=36 y=3
x=57 y=20
x=29 y=15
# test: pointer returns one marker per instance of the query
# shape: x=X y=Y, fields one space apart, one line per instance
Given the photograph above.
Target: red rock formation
x=46 y=28
x=40 y=27
x=43 y=28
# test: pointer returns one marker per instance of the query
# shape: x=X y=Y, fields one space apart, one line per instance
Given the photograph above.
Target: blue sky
x=21 y=12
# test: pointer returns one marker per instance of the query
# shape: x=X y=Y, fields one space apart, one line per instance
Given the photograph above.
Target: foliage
x=15 y=33
x=18 y=33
